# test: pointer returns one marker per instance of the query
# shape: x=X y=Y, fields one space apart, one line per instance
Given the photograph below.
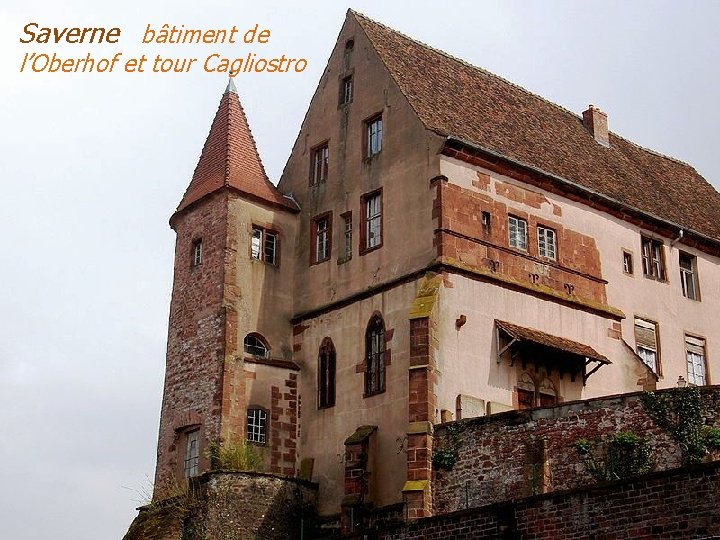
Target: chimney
x=596 y=122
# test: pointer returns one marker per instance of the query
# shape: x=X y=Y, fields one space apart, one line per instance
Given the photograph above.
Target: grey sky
x=93 y=165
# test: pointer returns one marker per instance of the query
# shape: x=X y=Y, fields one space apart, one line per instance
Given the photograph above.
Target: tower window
x=197 y=253
x=375 y=356
x=192 y=453
x=257 y=425
x=326 y=374
x=264 y=245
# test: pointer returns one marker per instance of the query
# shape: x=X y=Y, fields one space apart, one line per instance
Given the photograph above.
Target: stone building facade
x=442 y=245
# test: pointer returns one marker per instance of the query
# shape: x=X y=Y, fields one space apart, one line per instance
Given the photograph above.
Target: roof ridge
x=506 y=81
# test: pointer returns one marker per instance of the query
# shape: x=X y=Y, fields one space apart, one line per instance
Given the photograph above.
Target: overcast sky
x=93 y=166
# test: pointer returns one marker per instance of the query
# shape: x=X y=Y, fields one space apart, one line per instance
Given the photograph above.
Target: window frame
x=196 y=253
x=346 y=97
x=261 y=255
x=542 y=231
x=375 y=356
x=628 y=269
x=366 y=221
x=191 y=460
x=645 y=323
x=691 y=378
x=319 y=154
x=327 y=369
x=347 y=236
x=373 y=149
x=256 y=425
x=314 y=238
x=652 y=252
x=512 y=239
x=259 y=338
x=689 y=275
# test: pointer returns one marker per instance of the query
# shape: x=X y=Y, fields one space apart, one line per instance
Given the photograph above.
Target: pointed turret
x=230 y=159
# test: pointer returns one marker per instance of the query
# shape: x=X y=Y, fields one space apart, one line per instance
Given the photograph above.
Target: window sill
x=374 y=393
x=370 y=249
x=344 y=260
x=655 y=278
x=315 y=263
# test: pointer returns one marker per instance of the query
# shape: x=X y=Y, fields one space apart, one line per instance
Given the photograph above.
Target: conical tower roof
x=230 y=159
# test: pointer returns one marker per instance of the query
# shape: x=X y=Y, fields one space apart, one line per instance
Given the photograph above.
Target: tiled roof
x=230 y=159
x=548 y=340
x=456 y=99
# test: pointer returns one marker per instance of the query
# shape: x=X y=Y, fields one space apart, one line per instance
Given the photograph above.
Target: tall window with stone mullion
x=375 y=357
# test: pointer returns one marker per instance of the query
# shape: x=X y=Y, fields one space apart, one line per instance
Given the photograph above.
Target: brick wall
x=682 y=503
x=515 y=454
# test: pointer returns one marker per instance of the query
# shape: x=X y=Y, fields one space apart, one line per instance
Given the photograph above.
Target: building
x=442 y=245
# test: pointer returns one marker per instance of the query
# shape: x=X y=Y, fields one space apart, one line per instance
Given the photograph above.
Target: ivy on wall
x=622 y=455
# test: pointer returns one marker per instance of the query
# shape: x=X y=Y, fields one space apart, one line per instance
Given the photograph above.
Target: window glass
x=546 y=243
x=375 y=357
x=517 y=233
x=256 y=425
x=373 y=221
x=374 y=136
x=192 y=453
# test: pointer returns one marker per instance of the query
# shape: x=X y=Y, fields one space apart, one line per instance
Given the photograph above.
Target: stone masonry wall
x=516 y=454
x=678 y=504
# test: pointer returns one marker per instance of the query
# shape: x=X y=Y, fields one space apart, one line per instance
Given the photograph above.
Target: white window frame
x=257 y=425
x=373 y=220
x=695 y=354
x=653 y=258
x=647 y=353
x=320 y=158
x=688 y=276
x=547 y=242
x=346 y=91
x=261 y=240
x=374 y=128
x=322 y=239
x=347 y=223
x=197 y=252
x=517 y=233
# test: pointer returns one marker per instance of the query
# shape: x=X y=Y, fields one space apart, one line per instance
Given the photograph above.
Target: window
x=347 y=225
x=517 y=233
x=372 y=226
x=375 y=356
x=192 y=453
x=197 y=252
x=326 y=374
x=688 y=276
x=646 y=343
x=319 y=165
x=627 y=262
x=264 y=245
x=322 y=237
x=547 y=246
x=374 y=128
x=486 y=222
x=653 y=259
x=346 y=90
x=255 y=344
x=530 y=395
x=695 y=349
x=256 y=425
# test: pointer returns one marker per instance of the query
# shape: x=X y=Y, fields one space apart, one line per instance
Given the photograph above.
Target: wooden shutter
x=695 y=345
x=646 y=334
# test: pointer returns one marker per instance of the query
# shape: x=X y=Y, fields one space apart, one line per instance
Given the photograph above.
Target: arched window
x=375 y=356
x=256 y=345
x=326 y=374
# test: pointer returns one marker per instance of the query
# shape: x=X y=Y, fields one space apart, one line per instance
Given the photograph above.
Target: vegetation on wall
x=235 y=456
x=680 y=413
x=623 y=455
x=444 y=457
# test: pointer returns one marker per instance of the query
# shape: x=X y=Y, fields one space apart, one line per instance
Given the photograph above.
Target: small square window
x=517 y=233
x=688 y=276
x=319 y=165
x=547 y=244
x=321 y=238
x=346 y=90
x=374 y=139
x=627 y=262
x=257 y=426
x=197 y=253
